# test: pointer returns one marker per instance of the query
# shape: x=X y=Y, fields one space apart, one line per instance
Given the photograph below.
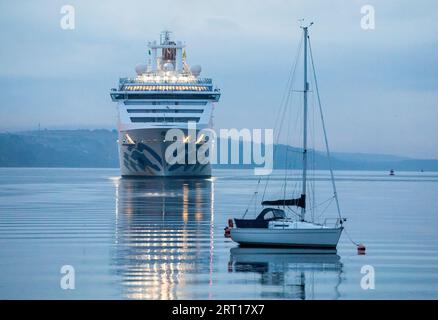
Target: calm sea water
x=164 y=239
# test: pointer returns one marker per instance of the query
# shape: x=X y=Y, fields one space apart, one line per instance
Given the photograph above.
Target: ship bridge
x=167 y=86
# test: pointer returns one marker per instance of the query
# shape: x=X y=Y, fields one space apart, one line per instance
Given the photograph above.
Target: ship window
x=166 y=88
x=173 y=96
x=193 y=103
x=117 y=96
x=165 y=110
x=164 y=119
x=169 y=103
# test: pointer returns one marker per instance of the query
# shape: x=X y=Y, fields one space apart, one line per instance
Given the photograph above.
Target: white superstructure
x=166 y=93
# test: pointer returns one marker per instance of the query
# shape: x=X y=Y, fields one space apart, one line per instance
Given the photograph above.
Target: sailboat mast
x=306 y=89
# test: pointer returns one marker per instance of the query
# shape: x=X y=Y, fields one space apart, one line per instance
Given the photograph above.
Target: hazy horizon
x=379 y=87
x=321 y=150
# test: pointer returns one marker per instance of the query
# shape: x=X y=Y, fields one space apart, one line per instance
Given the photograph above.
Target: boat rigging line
x=360 y=246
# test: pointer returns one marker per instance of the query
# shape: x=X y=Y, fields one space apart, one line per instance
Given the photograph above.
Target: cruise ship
x=166 y=93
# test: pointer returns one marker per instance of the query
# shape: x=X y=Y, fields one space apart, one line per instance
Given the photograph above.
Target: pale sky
x=379 y=87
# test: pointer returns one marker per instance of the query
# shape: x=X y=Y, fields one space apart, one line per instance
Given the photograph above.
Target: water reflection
x=164 y=236
x=164 y=245
x=290 y=273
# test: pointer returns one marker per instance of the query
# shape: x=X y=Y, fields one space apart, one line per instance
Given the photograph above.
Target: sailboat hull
x=326 y=238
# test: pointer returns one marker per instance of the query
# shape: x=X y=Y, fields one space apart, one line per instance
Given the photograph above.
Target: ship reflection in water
x=295 y=271
x=164 y=236
x=164 y=249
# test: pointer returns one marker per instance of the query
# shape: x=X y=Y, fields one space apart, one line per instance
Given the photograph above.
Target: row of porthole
x=167 y=88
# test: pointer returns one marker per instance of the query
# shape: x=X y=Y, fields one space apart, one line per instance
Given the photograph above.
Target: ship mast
x=305 y=91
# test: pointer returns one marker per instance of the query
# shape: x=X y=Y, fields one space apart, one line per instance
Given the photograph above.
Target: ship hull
x=292 y=238
x=146 y=157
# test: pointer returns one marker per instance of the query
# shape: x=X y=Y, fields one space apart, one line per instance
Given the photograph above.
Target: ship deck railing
x=123 y=81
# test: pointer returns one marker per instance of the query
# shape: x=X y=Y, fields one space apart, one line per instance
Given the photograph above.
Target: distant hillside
x=349 y=161
x=367 y=157
x=98 y=148
x=59 y=148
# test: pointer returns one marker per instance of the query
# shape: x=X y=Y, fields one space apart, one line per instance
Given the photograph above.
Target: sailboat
x=272 y=227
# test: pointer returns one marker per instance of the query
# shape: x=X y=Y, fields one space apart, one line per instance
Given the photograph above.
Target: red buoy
x=361 y=249
x=227 y=233
x=230 y=223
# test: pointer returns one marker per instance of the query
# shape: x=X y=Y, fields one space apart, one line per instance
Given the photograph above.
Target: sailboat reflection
x=290 y=273
x=163 y=235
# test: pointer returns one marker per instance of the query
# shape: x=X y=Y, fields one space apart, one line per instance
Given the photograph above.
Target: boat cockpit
x=262 y=220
